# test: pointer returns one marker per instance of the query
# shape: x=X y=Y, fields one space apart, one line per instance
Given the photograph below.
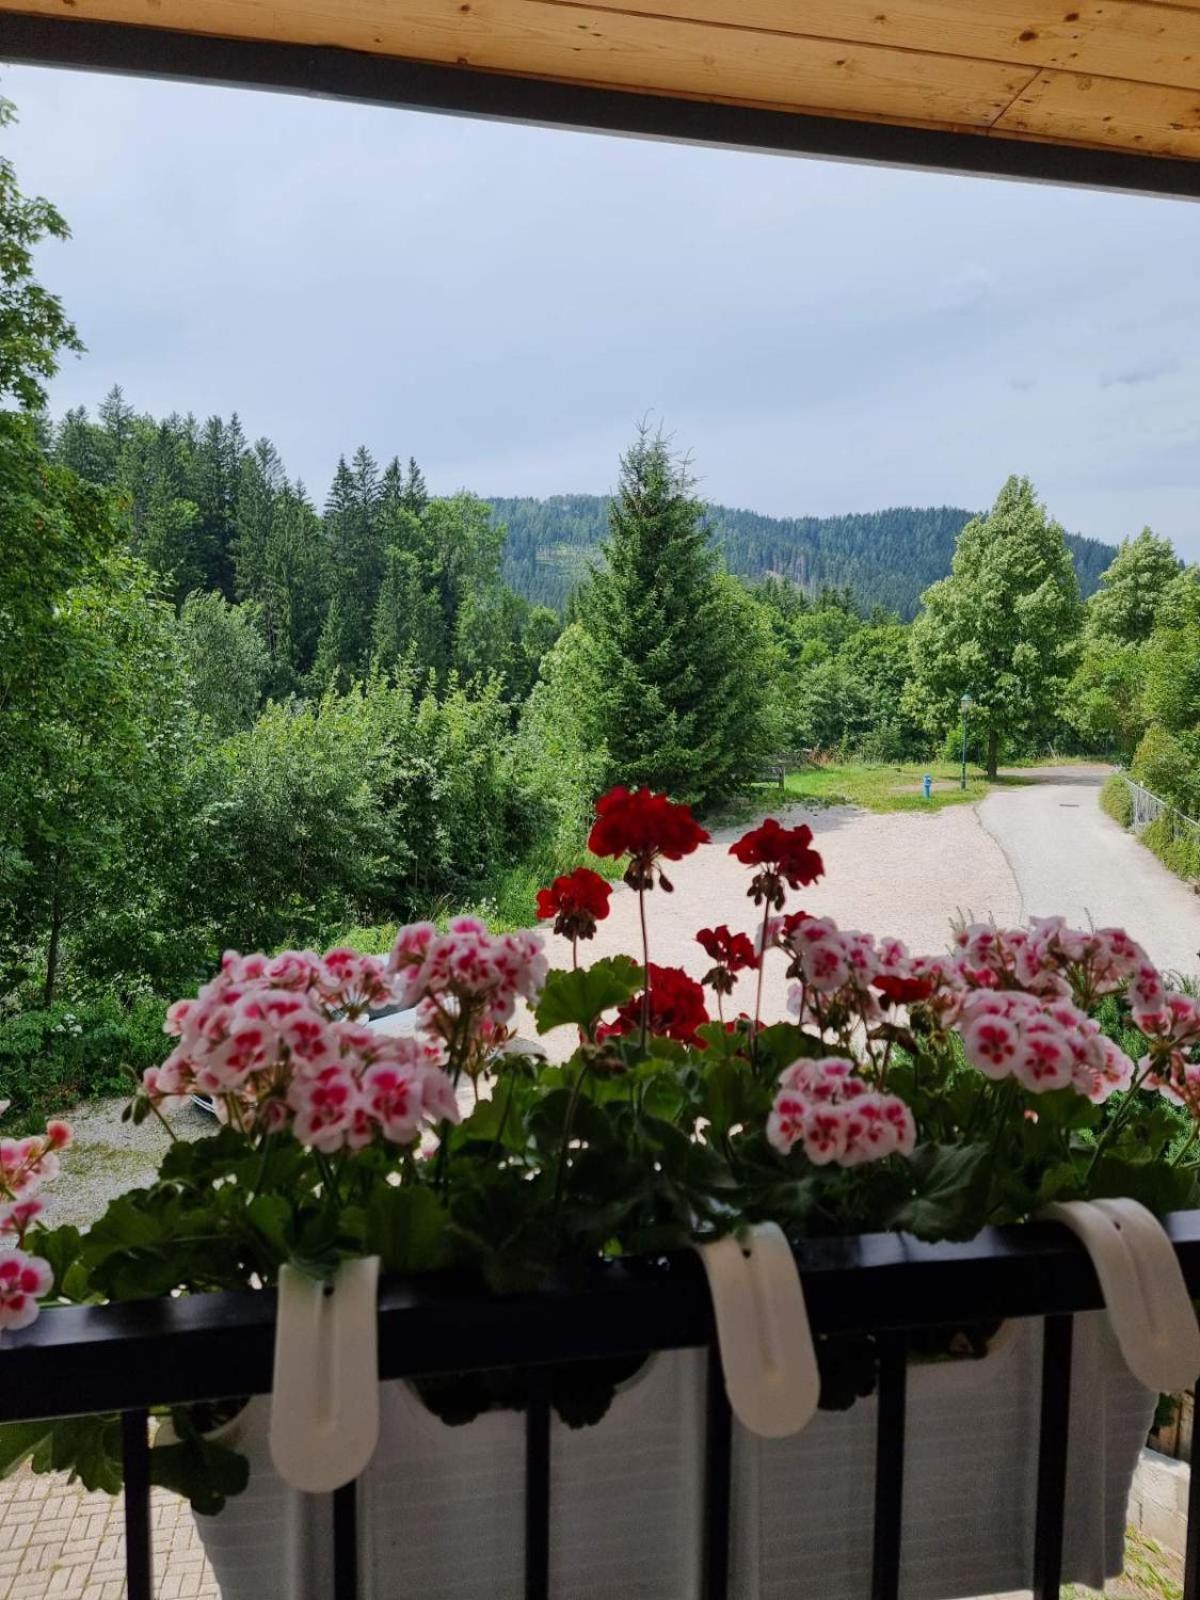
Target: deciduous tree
x=1003 y=627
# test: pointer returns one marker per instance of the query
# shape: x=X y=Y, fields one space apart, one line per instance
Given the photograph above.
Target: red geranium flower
x=732 y=952
x=784 y=855
x=676 y=1008
x=646 y=827
x=577 y=901
x=903 y=991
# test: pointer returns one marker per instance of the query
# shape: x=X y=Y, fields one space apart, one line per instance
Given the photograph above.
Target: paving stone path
x=58 y=1542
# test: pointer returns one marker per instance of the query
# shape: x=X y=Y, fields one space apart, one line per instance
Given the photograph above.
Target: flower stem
x=645 y=965
x=1186 y=1145
x=1119 y=1120
x=758 y=988
x=568 y=1123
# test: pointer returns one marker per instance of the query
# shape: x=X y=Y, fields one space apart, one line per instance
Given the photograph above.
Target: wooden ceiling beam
x=605 y=66
x=1144 y=40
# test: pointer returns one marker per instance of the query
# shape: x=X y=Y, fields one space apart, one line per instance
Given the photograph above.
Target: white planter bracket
x=325 y=1395
x=1147 y=1299
x=766 y=1342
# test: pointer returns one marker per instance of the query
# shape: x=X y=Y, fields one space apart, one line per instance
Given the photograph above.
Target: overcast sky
x=505 y=303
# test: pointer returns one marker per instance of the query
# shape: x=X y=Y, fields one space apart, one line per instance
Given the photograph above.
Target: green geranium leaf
x=19 y=1441
x=731 y=1097
x=951 y=1184
x=61 y=1247
x=89 y=1448
x=1063 y=1181
x=272 y=1216
x=407 y=1229
x=206 y=1474
x=784 y=1042
x=1160 y=1188
x=580 y=997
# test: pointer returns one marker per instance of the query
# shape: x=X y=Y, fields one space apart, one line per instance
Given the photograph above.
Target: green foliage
x=1126 y=607
x=1168 y=764
x=51 y=1059
x=1002 y=628
x=1117 y=800
x=1106 y=694
x=1172 y=692
x=1175 y=845
x=33 y=325
x=579 y=997
x=90 y=762
x=226 y=660
x=838 y=677
x=887 y=557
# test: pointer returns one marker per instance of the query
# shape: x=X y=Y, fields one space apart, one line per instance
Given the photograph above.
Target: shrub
x=50 y=1059
x=1168 y=767
x=1176 y=846
x=1116 y=799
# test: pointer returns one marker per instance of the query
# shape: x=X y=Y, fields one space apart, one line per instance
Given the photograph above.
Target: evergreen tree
x=260 y=480
x=353 y=529
x=80 y=446
x=407 y=627
x=1003 y=627
x=117 y=419
x=295 y=592
x=414 y=495
x=675 y=650
x=217 y=471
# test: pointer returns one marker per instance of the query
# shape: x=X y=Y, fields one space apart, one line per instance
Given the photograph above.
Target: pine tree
x=407 y=626
x=415 y=496
x=675 y=651
x=117 y=419
x=356 y=548
x=1002 y=628
x=217 y=472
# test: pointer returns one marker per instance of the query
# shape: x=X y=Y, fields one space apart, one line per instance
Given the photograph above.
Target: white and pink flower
x=827 y=1109
x=24 y=1279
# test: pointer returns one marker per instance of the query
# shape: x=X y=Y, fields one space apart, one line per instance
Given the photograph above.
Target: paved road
x=1068 y=856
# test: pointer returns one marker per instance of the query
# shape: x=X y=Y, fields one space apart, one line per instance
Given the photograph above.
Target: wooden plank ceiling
x=1115 y=74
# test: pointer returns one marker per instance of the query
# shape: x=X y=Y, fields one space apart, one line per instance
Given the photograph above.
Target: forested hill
x=886 y=557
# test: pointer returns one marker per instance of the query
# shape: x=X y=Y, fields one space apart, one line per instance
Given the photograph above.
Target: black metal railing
x=127 y=1358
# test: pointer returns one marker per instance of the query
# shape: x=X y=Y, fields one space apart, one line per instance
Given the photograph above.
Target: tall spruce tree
x=674 y=651
x=356 y=547
x=1002 y=628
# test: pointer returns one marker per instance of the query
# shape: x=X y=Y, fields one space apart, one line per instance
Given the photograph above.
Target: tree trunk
x=993 y=752
x=56 y=923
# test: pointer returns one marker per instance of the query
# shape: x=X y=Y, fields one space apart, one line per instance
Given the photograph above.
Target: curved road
x=1068 y=856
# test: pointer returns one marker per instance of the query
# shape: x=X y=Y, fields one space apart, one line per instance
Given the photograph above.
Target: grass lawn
x=886 y=788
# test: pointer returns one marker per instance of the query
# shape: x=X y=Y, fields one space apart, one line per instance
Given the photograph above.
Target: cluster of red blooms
x=783 y=856
x=577 y=901
x=646 y=827
x=730 y=952
x=676 y=1008
x=649 y=828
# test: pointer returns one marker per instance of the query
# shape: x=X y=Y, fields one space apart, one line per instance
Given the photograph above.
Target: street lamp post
x=964 y=705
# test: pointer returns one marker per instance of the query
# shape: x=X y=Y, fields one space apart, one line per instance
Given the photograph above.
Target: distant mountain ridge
x=887 y=557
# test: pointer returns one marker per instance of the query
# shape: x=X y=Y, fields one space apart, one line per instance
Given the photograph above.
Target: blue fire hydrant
x=927 y=786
